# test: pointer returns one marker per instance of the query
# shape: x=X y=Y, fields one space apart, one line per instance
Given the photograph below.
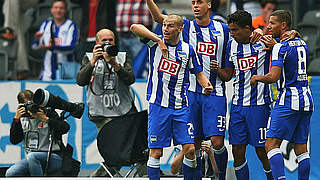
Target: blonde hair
x=178 y=18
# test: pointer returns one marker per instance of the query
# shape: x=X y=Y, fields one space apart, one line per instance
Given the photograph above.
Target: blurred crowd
x=32 y=48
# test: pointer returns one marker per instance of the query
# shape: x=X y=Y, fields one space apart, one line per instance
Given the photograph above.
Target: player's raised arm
x=142 y=32
x=155 y=12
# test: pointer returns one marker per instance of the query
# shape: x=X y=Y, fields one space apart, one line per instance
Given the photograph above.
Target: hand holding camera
x=21 y=110
x=40 y=115
x=105 y=50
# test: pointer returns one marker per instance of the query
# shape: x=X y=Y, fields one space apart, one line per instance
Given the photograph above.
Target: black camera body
x=30 y=106
x=34 y=108
x=112 y=50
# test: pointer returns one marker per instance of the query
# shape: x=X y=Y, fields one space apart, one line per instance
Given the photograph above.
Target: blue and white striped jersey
x=167 y=77
x=293 y=58
x=248 y=60
x=210 y=43
x=65 y=36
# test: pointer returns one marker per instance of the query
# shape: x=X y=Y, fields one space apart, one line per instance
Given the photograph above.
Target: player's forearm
x=142 y=32
x=203 y=80
x=225 y=74
x=155 y=12
x=267 y=79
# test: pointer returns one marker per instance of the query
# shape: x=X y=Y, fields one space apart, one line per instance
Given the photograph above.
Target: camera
x=112 y=50
x=32 y=107
x=43 y=98
x=29 y=106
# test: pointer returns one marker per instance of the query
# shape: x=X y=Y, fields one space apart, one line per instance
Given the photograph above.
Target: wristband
x=16 y=119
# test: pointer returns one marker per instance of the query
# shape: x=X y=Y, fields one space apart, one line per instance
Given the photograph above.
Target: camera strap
x=53 y=44
x=103 y=80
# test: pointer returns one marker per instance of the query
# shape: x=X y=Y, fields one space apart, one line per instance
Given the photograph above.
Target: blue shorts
x=166 y=123
x=289 y=124
x=208 y=114
x=248 y=125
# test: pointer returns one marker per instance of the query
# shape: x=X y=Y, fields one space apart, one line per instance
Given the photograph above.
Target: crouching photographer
x=40 y=128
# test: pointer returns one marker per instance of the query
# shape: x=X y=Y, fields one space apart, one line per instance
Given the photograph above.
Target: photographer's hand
x=20 y=111
x=114 y=63
x=97 y=52
x=39 y=115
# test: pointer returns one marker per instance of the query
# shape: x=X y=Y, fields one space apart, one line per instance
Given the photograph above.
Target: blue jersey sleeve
x=278 y=54
x=226 y=40
x=229 y=62
x=194 y=63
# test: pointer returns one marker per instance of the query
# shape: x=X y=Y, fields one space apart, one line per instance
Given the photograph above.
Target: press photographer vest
x=110 y=96
x=36 y=135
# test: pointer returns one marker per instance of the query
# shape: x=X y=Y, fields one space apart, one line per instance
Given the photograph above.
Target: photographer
x=107 y=74
x=34 y=130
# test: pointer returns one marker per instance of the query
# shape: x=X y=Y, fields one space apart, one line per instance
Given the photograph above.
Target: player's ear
x=180 y=29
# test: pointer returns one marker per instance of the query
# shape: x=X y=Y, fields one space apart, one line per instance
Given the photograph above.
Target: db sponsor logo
x=206 y=48
x=169 y=66
x=247 y=63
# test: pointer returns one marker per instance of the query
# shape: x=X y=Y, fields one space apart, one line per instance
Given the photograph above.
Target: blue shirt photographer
x=34 y=130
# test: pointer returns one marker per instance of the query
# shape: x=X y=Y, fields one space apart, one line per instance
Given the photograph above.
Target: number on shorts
x=263 y=133
x=221 y=122
x=190 y=129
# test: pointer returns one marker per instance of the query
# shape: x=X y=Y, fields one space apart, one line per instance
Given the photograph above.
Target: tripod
x=51 y=140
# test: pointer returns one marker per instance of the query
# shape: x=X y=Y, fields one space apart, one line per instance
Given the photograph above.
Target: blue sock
x=153 y=167
x=242 y=171
x=304 y=166
x=221 y=157
x=268 y=174
x=189 y=168
x=277 y=165
x=198 y=171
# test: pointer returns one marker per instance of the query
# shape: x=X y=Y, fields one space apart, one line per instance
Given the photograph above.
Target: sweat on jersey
x=65 y=37
x=167 y=77
x=294 y=91
x=210 y=43
x=248 y=60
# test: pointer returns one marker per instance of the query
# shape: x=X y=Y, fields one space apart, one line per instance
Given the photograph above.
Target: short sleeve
x=278 y=55
x=229 y=62
x=194 y=64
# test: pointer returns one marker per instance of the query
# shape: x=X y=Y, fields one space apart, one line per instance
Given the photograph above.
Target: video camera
x=46 y=101
x=112 y=50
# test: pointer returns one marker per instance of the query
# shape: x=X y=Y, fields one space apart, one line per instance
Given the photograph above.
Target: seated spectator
x=58 y=36
x=267 y=7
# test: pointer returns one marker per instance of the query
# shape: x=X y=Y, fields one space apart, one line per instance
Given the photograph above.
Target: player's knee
x=272 y=143
x=189 y=151
x=238 y=153
x=217 y=142
x=300 y=148
x=260 y=151
x=155 y=153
